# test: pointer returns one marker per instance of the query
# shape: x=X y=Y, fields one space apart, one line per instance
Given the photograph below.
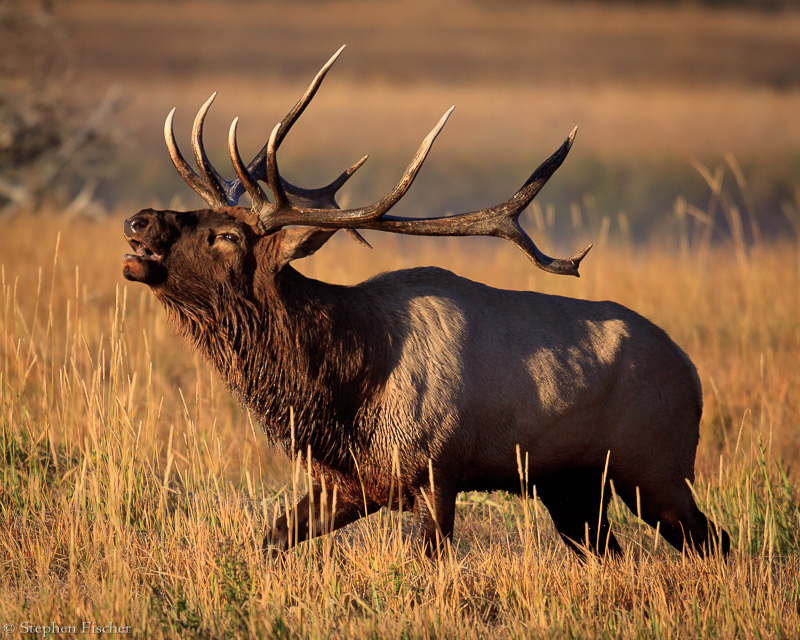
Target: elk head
x=228 y=244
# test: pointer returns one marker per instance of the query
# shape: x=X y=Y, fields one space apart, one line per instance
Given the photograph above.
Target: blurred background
x=133 y=488
x=670 y=98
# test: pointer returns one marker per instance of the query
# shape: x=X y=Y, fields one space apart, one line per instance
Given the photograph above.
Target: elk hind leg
x=577 y=500
x=673 y=511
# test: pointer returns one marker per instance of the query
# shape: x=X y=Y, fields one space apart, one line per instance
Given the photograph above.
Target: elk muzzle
x=147 y=235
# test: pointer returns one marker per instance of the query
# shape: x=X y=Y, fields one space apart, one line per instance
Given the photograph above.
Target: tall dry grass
x=133 y=491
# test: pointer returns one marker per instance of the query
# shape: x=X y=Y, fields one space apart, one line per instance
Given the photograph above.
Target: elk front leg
x=434 y=516
x=312 y=517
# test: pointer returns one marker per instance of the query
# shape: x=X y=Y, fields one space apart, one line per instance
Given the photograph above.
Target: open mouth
x=143 y=252
x=145 y=265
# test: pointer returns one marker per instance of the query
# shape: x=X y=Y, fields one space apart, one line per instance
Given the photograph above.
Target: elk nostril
x=135 y=225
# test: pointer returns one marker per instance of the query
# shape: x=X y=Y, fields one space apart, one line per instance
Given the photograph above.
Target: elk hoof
x=274 y=548
x=273 y=552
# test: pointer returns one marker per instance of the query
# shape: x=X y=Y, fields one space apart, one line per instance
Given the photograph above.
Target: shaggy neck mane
x=301 y=354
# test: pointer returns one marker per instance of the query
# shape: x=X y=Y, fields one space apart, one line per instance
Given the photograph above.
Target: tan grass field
x=135 y=492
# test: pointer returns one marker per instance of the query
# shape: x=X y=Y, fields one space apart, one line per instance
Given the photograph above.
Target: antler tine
x=274 y=180
x=301 y=105
x=257 y=167
x=286 y=214
x=507 y=215
x=515 y=205
x=322 y=197
x=213 y=179
x=533 y=185
x=520 y=200
x=208 y=194
x=254 y=190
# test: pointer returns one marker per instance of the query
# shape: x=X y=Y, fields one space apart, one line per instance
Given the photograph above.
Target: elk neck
x=309 y=358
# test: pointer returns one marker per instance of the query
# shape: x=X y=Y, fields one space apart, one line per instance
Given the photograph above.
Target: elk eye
x=227 y=237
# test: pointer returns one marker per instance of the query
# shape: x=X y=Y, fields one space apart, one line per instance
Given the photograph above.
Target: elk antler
x=317 y=207
x=501 y=220
x=218 y=192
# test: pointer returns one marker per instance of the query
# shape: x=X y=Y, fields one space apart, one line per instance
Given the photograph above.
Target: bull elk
x=415 y=385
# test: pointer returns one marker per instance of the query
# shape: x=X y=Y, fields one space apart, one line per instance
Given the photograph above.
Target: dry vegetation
x=132 y=488
x=134 y=491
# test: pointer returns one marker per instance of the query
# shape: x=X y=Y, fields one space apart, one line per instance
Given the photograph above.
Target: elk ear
x=299 y=242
